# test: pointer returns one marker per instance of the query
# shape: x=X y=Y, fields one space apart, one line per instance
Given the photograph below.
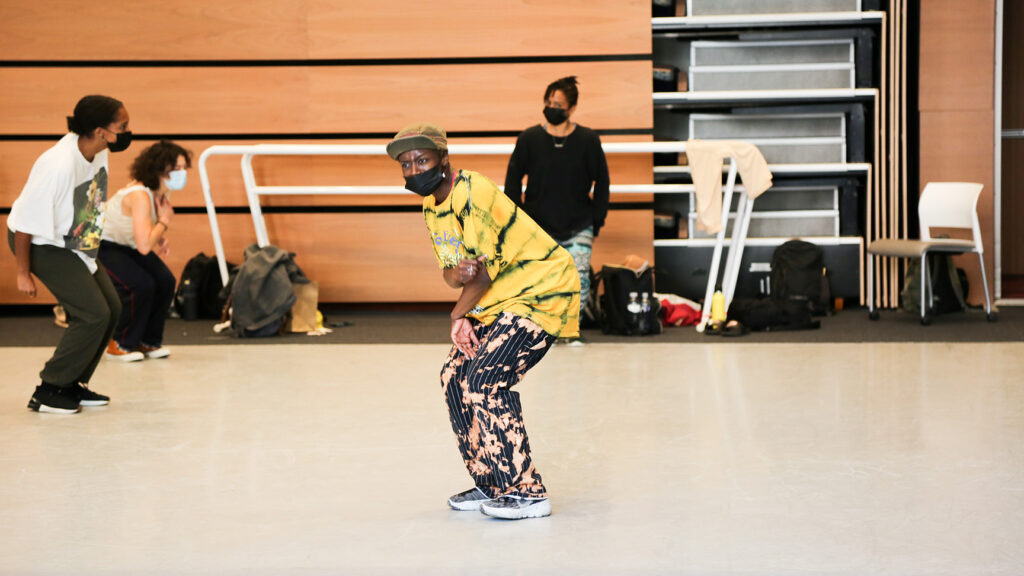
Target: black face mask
x=124 y=140
x=555 y=116
x=425 y=183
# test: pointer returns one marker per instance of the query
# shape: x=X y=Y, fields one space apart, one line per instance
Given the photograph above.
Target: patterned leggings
x=581 y=246
x=486 y=414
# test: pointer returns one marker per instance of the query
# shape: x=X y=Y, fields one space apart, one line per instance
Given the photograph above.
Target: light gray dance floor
x=706 y=459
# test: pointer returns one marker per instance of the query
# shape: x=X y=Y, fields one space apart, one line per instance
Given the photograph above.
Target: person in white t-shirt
x=54 y=230
x=134 y=237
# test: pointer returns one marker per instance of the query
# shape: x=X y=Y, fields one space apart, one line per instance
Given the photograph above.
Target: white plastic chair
x=942 y=205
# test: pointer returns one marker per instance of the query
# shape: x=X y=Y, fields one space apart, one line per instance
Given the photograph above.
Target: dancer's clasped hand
x=464 y=337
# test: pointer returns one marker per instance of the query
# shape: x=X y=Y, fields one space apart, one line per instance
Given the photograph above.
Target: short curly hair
x=152 y=162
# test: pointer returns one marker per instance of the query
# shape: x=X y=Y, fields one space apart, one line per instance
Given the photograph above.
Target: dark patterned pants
x=486 y=414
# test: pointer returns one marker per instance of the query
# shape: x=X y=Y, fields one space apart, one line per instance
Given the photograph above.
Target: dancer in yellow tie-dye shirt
x=520 y=291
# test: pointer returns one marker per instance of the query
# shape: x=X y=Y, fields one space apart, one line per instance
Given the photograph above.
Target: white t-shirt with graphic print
x=64 y=200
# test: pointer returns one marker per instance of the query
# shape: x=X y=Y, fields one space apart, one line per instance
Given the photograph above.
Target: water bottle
x=190 y=300
x=634 y=310
x=718 y=308
x=645 y=313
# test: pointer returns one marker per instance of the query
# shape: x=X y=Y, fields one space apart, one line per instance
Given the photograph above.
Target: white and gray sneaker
x=469 y=500
x=516 y=507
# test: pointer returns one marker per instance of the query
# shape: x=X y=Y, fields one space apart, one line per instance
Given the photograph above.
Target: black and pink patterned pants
x=486 y=414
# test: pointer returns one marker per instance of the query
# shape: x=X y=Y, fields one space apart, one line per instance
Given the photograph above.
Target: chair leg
x=925 y=288
x=931 y=289
x=872 y=313
x=984 y=284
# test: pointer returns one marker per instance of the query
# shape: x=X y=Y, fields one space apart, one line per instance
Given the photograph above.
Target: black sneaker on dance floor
x=516 y=508
x=469 y=500
x=54 y=400
x=87 y=397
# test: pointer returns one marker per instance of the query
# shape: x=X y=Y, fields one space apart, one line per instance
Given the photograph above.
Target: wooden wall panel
x=16 y=159
x=321 y=29
x=8 y=276
x=343 y=99
x=957 y=119
x=957 y=147
x=329 y=76
x=626 y=232
x=376 y=257
x=191 y=235
x=387 y=257
x=957 y=55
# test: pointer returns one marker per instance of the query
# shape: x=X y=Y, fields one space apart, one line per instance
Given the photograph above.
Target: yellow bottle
x=718 y=308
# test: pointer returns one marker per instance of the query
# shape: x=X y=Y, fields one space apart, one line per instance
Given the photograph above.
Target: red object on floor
x=679 y=314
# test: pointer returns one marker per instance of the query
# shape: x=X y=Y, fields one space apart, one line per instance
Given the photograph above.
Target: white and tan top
x=119 y=227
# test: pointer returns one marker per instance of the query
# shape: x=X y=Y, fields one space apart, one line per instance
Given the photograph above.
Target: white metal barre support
x=739 y=242
x=253 y=191
x=739 y=236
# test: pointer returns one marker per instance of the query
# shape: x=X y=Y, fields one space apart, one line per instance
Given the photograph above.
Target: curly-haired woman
x=134 y=238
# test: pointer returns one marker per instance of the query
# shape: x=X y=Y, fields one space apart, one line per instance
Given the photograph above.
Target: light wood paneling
x=342 y=250
x=957 y=55
x=957 y=146
x=957 y=120
x=319 y=29
x=388 y=257
x=626 y=232
x=379 y=257
x=190 y=236
x=16 y=159
x=331 y=99
x=8 y=276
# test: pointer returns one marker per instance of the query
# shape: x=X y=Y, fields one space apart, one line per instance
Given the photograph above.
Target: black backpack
x=949 y=285
x=590 y=310
x=772 y=314
x=799 y=274
x=198 y=292
x=616 y=317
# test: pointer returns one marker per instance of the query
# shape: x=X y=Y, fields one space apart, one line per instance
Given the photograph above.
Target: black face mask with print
x=425 y=183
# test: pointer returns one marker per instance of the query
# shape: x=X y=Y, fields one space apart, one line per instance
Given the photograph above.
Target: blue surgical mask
x=175 y=180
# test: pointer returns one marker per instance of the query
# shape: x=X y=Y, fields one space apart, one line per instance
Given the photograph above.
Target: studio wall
x=242 y=72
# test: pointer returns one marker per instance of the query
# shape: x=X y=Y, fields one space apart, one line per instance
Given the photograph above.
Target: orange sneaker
x=115 y=352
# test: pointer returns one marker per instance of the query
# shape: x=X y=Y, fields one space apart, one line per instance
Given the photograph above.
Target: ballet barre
x=253 y=191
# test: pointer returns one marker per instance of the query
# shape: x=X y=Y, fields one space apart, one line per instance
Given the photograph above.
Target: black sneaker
x=469 y=500
x=87 y=397
x=54 y=400
x=516 y=507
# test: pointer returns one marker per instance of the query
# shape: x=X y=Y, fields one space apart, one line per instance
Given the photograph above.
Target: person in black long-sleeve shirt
x=567 y=177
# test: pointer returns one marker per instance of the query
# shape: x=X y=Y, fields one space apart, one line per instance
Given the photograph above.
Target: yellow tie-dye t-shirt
x=531 y=275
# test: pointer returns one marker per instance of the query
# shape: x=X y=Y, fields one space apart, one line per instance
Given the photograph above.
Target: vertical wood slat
x=881 y=264
x=893 y=214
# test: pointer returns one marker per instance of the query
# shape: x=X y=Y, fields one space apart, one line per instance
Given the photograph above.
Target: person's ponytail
x=93 y=112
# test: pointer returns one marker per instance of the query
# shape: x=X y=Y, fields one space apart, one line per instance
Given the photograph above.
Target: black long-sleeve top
x=559 y=180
